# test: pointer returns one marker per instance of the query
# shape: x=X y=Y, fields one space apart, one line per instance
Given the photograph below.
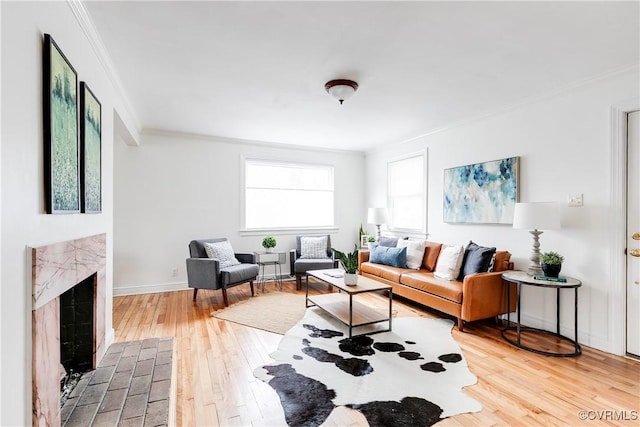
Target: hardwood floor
x=216 y=359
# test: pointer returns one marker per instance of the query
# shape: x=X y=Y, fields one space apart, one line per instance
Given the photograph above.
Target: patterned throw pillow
x=221 y=252
x=313 y=247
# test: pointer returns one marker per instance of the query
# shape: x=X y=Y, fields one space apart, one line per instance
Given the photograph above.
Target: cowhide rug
x=412 y=376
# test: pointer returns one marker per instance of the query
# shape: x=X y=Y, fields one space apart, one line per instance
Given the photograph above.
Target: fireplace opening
x=76 y=333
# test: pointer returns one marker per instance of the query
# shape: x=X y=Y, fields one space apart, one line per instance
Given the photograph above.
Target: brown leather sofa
x=478 y=296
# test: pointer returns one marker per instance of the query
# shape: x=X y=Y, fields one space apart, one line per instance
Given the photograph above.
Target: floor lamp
x=377 y=216
x=536 y=217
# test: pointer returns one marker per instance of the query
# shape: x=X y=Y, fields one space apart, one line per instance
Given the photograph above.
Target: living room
x=163 y=188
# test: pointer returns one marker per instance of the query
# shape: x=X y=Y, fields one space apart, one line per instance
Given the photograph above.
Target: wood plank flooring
x=216 y=359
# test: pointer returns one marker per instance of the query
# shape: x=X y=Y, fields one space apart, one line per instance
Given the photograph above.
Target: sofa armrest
x=484 y=295
x=363 y=256
x=203 y=273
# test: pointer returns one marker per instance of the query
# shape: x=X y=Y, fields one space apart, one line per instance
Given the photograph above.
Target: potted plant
x=370 y=240
x=268 y=243
x=349 y=262
x=551 y=263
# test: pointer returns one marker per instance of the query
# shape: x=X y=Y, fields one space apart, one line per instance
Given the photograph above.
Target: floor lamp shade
x=535 y=217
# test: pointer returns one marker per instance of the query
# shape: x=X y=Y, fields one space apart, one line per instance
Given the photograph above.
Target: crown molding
x=235 y=141
x=92 y=35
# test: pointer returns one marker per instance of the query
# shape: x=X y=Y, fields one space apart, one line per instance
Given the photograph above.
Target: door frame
x=618 y=210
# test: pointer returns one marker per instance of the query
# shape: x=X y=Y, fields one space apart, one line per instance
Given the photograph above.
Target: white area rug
x=413 y=375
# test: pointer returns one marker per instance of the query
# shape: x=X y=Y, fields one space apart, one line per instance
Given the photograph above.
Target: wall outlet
x=174 y=271
x=574 y=200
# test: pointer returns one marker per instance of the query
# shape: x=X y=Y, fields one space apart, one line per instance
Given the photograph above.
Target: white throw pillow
x=221 y=252
x=313 y=247
x=449 y=262
x=415 y=252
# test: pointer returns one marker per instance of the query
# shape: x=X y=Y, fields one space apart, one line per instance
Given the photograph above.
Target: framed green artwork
x=61 y=148
x=90 y=150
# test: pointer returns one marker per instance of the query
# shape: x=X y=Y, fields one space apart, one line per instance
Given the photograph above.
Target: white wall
x=564 y=146
x=22 y=196
x=175 y=188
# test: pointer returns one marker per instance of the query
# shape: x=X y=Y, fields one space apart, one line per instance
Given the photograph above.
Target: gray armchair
x=205 y=273
x=299 y=266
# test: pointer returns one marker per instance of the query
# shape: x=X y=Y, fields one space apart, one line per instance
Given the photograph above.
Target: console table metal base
x=577 y=349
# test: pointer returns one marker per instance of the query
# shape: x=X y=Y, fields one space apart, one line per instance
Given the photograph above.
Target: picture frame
x=61 y=136
x=364 y=241
x=481 y=193
x=90 y=150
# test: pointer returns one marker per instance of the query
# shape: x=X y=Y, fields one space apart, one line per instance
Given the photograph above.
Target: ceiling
x=256 y=70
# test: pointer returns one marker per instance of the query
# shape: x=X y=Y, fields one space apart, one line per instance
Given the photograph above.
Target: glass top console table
x=521 y=278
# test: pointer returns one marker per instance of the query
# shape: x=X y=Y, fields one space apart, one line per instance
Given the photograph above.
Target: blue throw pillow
x=476 y=259
x=395 y=257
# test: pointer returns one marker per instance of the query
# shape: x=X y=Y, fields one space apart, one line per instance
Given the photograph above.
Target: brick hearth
x=132 y=386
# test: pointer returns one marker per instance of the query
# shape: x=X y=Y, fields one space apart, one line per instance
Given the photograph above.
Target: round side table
x=521 y=278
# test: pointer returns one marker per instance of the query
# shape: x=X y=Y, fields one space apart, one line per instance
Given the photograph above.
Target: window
x=287 y=195
x=406 y=193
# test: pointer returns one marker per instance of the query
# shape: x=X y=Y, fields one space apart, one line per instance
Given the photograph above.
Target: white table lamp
x=535 y=217
x=377 y=216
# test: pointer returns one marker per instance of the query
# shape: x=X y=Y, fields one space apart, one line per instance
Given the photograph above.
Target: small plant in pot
x=268 y=243
x=551 y=263
x=349 y=262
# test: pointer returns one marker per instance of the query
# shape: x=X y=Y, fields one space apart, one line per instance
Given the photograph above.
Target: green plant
x=269 y=242
x=348 y=261
x=551 y=258
x=371 y=239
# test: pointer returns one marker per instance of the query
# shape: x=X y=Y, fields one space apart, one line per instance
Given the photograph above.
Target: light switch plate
x=574 y=200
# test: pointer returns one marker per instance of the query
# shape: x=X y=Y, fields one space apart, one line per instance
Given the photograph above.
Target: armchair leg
x=298 y=282
x=195 y=292
x=460 y=324
x=251 y=285
x=224 y=297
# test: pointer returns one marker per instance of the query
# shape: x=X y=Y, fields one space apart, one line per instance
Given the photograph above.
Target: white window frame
x=422 y=231
x=246 y=231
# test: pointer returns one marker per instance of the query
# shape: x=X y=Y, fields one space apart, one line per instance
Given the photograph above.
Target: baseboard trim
x=149 y=289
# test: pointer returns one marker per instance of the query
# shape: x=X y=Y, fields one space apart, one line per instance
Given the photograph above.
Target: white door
x=633 y=234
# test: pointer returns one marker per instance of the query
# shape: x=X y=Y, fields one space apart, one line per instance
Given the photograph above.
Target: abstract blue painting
x=482 y=193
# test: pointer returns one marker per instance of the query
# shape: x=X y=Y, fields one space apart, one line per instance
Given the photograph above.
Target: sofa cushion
x=390 y=242
x=313 y=247
x=395 y=257
x=449 y=262
x=427 y=282
x=415 y=252
x=221 y=252
x=476 y=259
x=383 y=271
x=431 y=252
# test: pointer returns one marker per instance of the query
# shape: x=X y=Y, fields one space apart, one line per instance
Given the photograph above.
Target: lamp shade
x=377 y=216
x=537 y=216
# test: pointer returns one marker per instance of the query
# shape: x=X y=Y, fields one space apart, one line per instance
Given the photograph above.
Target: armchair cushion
x=238 y=273
x=222 y=252
x=313 y=247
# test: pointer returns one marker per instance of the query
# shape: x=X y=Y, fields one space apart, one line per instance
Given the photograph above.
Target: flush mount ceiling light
x=341 y=89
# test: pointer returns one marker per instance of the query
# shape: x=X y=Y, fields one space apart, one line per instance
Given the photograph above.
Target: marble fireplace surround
x=55 y=269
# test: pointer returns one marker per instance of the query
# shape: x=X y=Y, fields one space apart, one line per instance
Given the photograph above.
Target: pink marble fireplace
x=57 y=268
